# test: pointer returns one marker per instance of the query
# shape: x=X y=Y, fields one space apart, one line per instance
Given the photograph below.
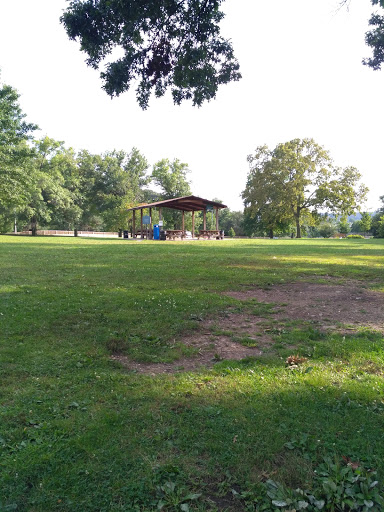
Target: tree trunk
x=298 y=227
x=34 y=226
x=75 y=232
x=271 y=233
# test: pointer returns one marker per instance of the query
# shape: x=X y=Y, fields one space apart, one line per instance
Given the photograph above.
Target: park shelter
x=184 y=204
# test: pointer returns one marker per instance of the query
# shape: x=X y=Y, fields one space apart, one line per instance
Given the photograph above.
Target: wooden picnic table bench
x=208 y=233
x=175 y=233
x=146 y=233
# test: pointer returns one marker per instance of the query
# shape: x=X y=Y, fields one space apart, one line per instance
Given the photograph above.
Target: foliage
x=365 y=222
x=15 y=153
x=356 y=227
x=231 y=233
x=343 y=225
x=355 y=236
x=171 y=177
x=297 y=178
x=165 y=44
x=231 y=219
x=254 y=225
x=380 y=227
x=376 y=229
x=336 y=487
x=168 y=44
x=375 y=38
x=112 y=182
x=49 y=197
x=327 y=228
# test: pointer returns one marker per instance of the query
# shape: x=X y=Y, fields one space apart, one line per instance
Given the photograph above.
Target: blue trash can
x=156 y=232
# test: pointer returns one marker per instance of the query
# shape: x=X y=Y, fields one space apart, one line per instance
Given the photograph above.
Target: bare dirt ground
x=333 y=307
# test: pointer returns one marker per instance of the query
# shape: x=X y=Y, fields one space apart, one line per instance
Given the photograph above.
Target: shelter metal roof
x=186 y=203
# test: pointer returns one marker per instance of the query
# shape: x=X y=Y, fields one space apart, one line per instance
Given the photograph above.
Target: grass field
x=79 y=431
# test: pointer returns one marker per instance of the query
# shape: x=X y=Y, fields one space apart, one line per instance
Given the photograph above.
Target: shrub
x=355 y=236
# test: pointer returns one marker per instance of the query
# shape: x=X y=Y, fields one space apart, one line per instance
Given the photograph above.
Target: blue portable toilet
x=156 y=232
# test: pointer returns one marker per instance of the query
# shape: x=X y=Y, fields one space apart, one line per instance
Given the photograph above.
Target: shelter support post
x=193 y=224
x=217 y=219
x=134 y=223
x=183 y=220
x=205 y=219
x=141 y=223
x=150 y=224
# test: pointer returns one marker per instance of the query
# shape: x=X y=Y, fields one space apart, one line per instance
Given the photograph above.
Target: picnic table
x=146 y=233
x=208 y=233
x=175 y=233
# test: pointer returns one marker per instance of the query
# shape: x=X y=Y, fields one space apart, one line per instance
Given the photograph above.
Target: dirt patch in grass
x=211 y=349
x=324 y=305
x=234 y=335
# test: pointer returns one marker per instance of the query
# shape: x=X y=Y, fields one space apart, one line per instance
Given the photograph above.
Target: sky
x=302 y=77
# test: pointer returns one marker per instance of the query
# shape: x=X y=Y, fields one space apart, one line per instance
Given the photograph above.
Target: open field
x=143 y=376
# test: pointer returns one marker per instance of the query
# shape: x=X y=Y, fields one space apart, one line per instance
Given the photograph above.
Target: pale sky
x=302 y=77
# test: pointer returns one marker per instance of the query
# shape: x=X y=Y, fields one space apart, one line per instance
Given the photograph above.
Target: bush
x=231 y=233
x=355 y=236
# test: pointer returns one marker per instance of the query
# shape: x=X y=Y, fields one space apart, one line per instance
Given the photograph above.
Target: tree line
x=45 y=184
x=294 y=187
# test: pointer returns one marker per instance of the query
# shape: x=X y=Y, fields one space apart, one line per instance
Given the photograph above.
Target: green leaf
x=193 y=496
x=279 y=503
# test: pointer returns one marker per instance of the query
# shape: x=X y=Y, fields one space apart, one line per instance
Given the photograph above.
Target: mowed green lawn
x=79 y=432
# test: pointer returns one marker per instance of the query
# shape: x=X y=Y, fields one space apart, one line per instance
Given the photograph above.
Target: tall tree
x=49 y=198
x=298 y=178
x=15 y=152
x=171 y=177
x=376 y=227
x=344 y=226
x=172 y=44
x=366 y=222
x=111 y=183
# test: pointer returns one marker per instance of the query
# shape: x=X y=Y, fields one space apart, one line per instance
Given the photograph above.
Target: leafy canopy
x=163 y=44
x=375 y=38
x=297 y=178
x=15 y=153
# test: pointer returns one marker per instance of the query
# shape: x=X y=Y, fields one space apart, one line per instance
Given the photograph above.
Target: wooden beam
x=205 y=219
x=193 y=224
x=217 y=219
x=141 y=223
x=134 y=223
x=150 y=224
x=183 y=220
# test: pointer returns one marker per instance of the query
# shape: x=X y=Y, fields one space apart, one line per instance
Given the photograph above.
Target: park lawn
x=79 y=432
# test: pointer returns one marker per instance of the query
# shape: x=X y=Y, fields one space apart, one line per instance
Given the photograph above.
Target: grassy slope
x=77 y=432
